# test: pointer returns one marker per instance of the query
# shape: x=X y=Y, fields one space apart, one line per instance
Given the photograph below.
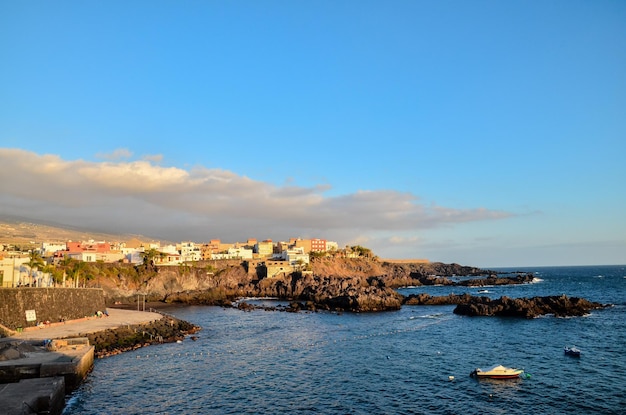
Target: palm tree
x=35 y=262
x=66 y=266
x=149 y=256
x=51 y=270
x=75 y=271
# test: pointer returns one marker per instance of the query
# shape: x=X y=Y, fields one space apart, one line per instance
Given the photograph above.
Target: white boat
x=497 y=372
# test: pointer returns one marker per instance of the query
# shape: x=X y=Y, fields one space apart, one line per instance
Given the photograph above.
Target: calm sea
x=399 y=362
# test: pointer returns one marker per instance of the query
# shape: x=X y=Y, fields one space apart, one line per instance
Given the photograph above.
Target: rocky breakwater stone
x=11 y=350
x=120 y=339
x=559 y=306
x=495 y=280
x=426 y=299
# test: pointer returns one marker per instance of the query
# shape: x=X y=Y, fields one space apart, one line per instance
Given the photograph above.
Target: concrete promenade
x=72 y=328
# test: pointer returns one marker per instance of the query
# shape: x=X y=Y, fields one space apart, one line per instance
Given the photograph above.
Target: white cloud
x=157 y=158
x=118 y=154
x=203 y=203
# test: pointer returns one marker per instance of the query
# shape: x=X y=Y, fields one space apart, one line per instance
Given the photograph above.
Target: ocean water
x=399 y=362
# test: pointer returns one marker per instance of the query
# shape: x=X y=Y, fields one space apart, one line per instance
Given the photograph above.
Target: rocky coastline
x=351 y=293
x=357 y=285
x=330 y=284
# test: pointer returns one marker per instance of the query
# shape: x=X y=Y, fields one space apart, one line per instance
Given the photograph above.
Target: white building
x=49 y=248
x=83 y=256
x=168 y=249
x=235 y=253
x=295 y=256
x=13 y=269
x=135 y=256
x=332 y=246
x=189 y=252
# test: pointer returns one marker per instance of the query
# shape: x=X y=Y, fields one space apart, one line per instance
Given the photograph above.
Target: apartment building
x=13 y=268
x=189 y=252
x=295 y=256
x=264 y=248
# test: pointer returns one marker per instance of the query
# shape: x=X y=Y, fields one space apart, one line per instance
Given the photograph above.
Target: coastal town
x=36 y=266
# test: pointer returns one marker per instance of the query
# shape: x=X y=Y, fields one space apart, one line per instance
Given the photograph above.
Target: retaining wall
x=48 y=304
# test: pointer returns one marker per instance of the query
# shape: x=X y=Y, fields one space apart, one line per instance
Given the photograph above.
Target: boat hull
x=498 y=372
x=572 y=351
x=483 y=376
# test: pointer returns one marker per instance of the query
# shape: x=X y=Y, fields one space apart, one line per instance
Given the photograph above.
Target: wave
x=436 y=315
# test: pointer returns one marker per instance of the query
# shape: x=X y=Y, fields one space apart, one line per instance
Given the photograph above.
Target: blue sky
x=486 y=133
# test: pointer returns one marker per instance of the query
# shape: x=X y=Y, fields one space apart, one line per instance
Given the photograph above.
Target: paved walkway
x=117 y=318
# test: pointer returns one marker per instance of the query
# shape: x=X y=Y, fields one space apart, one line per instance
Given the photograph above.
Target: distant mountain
x=19 y=230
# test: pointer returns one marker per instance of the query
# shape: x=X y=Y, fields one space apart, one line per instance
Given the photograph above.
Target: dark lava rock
x=114 y=341
x=559 y=306
x=426 y=299
x=495 y=280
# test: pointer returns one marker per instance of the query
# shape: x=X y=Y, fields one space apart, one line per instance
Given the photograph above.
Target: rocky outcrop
x=479 y=281
x=334 y=292
x=493 y=280
x=433 y=273
x=425 y=299
x=114 y=341
x=559 y=306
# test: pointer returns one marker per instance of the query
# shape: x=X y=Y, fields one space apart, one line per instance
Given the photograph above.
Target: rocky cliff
x=334 y=283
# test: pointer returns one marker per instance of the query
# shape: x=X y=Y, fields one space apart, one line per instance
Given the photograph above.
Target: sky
x=484 y=133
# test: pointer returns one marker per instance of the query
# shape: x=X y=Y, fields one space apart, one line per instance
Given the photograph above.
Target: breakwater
x=133 y=336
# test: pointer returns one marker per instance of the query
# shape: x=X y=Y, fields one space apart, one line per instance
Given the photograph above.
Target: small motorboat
x=497 y=372
x=572 y=351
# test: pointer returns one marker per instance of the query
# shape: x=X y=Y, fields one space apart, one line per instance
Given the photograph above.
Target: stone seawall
x=48 y=304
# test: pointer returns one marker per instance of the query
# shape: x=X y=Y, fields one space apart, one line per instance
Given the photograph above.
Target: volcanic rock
x=559 y=306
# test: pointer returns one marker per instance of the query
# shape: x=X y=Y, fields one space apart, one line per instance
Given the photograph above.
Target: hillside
x=21 y=231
